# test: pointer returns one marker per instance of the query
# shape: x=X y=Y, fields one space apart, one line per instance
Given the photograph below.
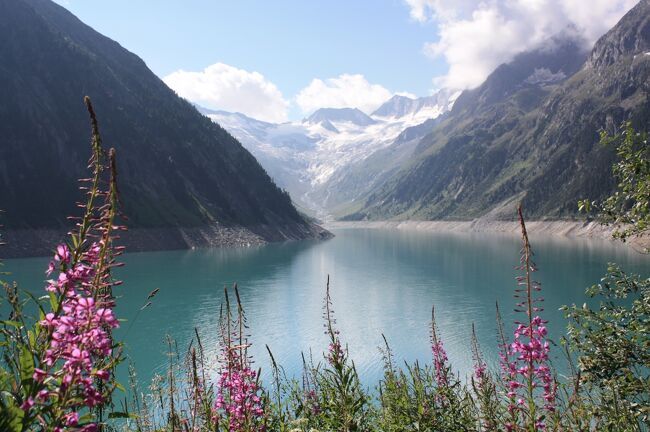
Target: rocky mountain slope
x=181 y=175
x=530 y=133
x=336 y=155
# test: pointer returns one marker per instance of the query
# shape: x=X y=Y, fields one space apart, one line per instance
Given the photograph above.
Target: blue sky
x=279 y=60
x=289 y=42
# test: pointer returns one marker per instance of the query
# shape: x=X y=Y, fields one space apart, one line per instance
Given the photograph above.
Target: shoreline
x=40 y=242
x=558 y=228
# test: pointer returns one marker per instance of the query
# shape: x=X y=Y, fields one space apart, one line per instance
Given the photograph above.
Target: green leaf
x=11 y=416
x=54 y=301
x=86 y=418
x=26 y=365
x=11 y=323
x=6 y=380
x=31 y=335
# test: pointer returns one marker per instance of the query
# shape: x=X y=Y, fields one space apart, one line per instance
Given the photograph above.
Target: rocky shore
x=41 y=242
x=585 y=229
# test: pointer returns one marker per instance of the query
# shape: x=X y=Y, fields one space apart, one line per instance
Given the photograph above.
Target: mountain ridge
x=401 y=106
x=178 y=170
x=352 y=115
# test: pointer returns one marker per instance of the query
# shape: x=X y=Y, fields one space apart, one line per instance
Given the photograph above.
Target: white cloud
x=595 y=17
x=425 y=10
x=475 y=36
x=345 y=91
x=224 y=87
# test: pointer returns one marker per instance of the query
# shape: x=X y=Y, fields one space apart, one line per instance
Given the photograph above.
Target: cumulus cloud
x=344 y=91
x=475 y=36
x=224 y=87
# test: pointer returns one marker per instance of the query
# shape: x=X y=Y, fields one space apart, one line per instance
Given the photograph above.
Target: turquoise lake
x=382 y=281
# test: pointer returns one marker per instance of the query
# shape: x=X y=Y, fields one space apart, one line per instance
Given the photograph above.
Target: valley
x=316 y=158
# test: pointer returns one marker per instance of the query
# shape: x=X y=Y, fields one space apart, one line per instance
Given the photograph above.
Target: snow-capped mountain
x=308 y=157
x=424 y=108
x=347 y=115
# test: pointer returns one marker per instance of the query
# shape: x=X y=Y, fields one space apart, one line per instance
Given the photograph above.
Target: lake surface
x=382 y=281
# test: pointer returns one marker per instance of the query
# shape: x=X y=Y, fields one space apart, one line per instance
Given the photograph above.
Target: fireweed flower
x=80 y=336
x=335 y=354
x=524 y=361
x=73 y=373
x=337 y=384
x=238 y=400
x=480 y=368
x=440 y=359
x=484 y=389
x=311 y=401
x=310 y=396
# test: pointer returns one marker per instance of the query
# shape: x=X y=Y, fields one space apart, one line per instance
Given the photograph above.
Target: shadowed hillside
x=178 y=170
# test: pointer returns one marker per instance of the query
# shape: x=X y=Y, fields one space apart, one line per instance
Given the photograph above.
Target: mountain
x=282 y=149
x=430 y=106
x=336 y=155
x=351 y=115
x=183 y=178
x=345 y=189
x=529 y=74
x=397 y=106
x=530 y=132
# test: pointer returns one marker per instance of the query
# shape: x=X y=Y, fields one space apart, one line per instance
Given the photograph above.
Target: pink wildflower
x=439 y=354
x=237 y=396
x=27 y=405
x=80 y=334
x=71 y=418
x=39 y=375
x=238 y=393
x=62 y=254
x=525 y=360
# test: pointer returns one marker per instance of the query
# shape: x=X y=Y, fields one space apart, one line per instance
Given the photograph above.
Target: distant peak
x=400 y=106
x=329 y=115
x=399 y=98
